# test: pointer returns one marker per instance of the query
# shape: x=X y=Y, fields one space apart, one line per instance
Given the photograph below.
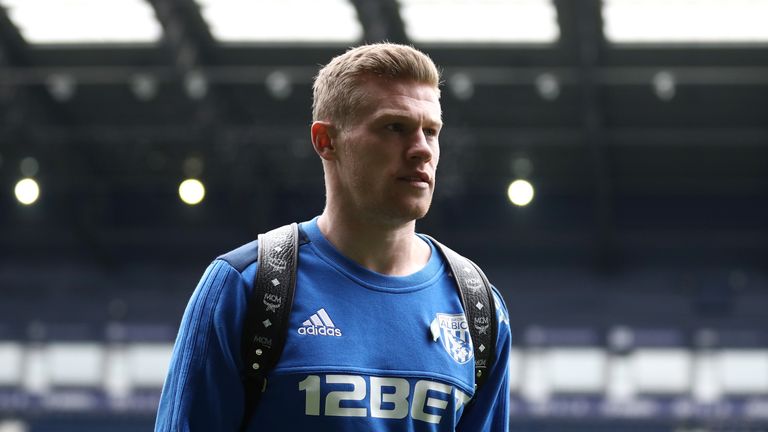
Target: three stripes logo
x=319 y=324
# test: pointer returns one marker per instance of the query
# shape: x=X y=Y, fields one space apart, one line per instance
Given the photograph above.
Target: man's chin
x=403 y=216
x=415 y=212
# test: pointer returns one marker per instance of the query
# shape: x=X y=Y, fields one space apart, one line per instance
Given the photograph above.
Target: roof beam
x=12 y=45
x=581 y=29
x=185 y=34
x=484 y=137
x=188 y=40
x=11 y=54
x=381 y=21
x=16 y=73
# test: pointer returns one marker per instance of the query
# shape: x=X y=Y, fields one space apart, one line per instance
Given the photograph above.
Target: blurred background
x=606 y=163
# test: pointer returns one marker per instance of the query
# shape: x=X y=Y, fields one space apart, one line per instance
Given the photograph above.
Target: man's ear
x=324 y=139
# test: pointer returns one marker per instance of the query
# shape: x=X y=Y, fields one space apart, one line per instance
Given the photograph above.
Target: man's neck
x=389 y=249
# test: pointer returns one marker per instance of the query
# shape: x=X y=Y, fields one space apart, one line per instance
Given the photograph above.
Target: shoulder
x=230 y=268
x=458 y=261
x=448 y=253
x=228 y=280
x=222 y=286
x=243 y=256
x=225 y=286
x=502 y=313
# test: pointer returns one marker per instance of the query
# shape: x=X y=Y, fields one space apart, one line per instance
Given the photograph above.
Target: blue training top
x=364 y=351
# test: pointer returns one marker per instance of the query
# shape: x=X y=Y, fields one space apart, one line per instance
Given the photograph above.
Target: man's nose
x=419 y=147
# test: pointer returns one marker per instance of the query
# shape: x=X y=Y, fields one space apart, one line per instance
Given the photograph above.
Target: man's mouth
x=420 y=177
x=418 y=180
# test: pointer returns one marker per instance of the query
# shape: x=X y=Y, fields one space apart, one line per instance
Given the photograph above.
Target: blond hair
x=336 y=91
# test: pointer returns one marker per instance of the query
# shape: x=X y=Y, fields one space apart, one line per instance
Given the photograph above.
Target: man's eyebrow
x=394 y=114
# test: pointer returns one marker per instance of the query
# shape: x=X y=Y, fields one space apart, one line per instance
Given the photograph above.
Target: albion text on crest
x=453 y=331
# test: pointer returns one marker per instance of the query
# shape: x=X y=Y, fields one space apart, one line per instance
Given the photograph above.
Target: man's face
x=389 y=152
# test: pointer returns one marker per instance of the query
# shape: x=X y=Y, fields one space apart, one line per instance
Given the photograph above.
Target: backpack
x=266 y=319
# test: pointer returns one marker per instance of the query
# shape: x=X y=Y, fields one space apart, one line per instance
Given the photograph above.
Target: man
x=358 y=354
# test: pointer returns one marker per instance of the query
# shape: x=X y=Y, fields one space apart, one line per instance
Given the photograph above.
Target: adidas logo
x=319 y=324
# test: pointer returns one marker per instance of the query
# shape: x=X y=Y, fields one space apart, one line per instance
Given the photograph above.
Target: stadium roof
x=638 y=151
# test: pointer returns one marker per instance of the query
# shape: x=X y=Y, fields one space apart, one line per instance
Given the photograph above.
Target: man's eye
x=430 y=132
x=396 y=127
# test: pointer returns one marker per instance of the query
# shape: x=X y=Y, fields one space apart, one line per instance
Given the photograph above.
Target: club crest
x=453 y=332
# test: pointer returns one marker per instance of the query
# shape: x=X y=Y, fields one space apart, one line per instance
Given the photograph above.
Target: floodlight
x=29 y=167
x=520 y=193
x=191 y=191
x=144 y=87
x=27 y=191
x=461 y=85
x=196 y=85
x=548 y=86
x=664 y=85
x=279 y=85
